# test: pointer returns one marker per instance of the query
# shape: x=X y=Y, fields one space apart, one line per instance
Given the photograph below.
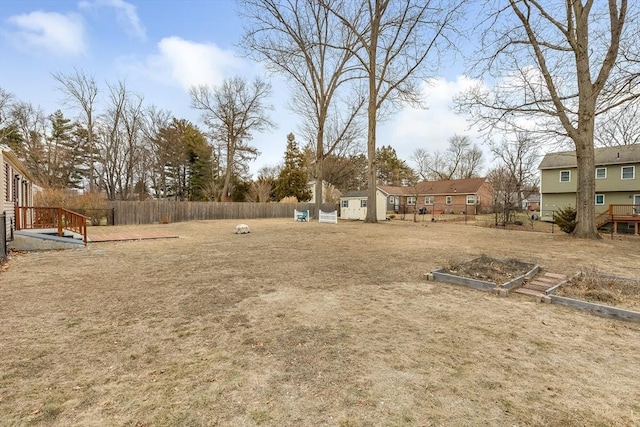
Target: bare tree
x=120 y=140
x=561 y=65
x=81 y=91
x=519 y=159
x=461 y=160
x=29 y=137
x=395 y=40
x=619 y=126
x=6 y=105
x=233 y=112
x=505 y=194
x=304 y=41
x=423 y=163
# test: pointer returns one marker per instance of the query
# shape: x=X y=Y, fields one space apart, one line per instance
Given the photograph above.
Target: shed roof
x=354 y=194
x=603 y=156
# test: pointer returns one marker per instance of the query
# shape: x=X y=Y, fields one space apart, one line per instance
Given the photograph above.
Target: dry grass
x=602 y=289
x=309 y=324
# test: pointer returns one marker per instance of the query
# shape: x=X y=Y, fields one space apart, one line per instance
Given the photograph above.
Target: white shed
x=353 y=205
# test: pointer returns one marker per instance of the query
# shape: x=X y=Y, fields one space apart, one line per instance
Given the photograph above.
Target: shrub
x=92 y=205
x=566 y=219
x=289 y=199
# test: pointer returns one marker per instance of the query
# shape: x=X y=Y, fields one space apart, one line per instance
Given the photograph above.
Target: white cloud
x=189 y=63
x=62 y=34
x=430 y=128
x=125 y=13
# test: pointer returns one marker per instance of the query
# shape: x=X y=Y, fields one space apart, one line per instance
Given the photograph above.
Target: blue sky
x=162 y=47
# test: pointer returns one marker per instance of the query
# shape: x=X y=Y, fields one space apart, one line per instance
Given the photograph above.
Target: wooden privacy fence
x=165 y=211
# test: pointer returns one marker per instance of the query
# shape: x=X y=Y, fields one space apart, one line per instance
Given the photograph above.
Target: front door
x=636 y=203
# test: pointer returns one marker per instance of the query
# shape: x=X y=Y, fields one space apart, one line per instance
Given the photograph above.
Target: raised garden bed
x=602 y=295
x=487 y=274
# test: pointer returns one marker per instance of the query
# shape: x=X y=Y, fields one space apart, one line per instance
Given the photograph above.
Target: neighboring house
x=16 y=186
x=531 y=202
x=468 y=196
x=617 y=178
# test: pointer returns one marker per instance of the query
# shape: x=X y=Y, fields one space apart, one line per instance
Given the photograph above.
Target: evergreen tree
x=63 y=153
x=392 y=170
x=184 y=162
x=292 y=180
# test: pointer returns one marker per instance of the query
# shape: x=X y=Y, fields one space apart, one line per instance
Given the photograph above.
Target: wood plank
x=555 y=275
x=545 y=284
x=529 y=292
x=546 y=280
x=537 y=288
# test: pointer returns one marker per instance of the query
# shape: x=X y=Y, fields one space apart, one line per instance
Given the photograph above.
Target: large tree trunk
x=585 y=193
x=371 y=163
x=319 y=167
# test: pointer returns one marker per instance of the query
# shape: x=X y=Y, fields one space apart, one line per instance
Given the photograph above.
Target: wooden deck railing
x=619 y=213
x=59 y=219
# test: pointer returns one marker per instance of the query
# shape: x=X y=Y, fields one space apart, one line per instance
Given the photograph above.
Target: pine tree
x=292 y=181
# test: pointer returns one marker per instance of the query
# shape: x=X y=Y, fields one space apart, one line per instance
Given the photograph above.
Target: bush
x=566 y=219
x=92 y=205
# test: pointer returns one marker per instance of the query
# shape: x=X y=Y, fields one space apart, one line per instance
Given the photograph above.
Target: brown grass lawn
x=309 y=324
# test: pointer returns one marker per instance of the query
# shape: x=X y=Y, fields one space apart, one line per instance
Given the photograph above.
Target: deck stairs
x=541 y=284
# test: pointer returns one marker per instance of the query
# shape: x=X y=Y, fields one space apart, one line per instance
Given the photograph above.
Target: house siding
x=557 y=195
x=16 y=187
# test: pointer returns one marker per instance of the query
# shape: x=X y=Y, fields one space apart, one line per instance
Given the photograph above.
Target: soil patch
x=490 y=269
x=601 y=289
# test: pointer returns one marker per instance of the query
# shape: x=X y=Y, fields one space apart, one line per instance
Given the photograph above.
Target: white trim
x=633 y=172
x=596 y=200
x=605 y=173
x=568 y=172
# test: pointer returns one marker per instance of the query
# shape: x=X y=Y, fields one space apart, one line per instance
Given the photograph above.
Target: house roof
x=15 y=162
x=603 y=156
x=452 y=186
x=435 y=188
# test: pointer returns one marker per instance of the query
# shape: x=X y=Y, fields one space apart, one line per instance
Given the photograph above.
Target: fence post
x=60 y=222
x=113 y=216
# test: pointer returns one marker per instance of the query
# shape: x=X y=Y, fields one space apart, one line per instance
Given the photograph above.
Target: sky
x=160 y=48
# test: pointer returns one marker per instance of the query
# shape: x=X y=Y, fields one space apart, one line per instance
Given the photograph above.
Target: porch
x=51 y=221
x=621 y=219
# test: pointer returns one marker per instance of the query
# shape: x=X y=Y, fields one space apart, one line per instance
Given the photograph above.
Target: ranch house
x=467 y=196
x=460 y=196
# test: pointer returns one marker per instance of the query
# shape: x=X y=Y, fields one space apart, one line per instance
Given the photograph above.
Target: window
x=565 y=176
x=599 y=199
x=363 y=203
x=601 y=173
x=628 y=172
x=411 y=200
x=392 y=200
x=428 y=200
x=471 y=199
x=449 y=200
x=345 y=203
